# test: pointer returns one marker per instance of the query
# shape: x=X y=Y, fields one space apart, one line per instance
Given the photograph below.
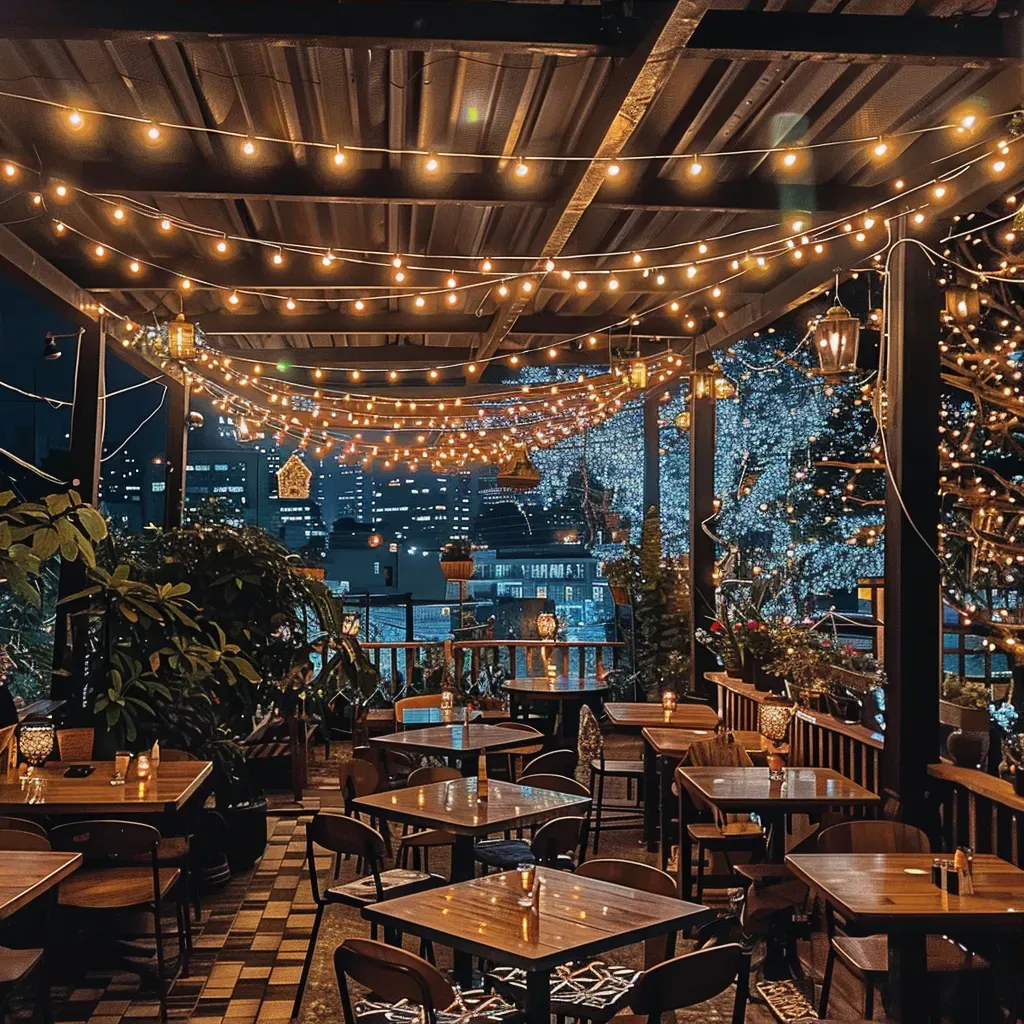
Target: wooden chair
x=570 y=787
x=343 y=835
x=108 y=883
x=867 y=957
x=16 y=966
x=552 y=846
x=360 y=778
x=75 y=744
x=19 y=839
x=593 y=765
x=554 y=762
x=420 y=843
x=22 y=825
x=527 y=750
x=381 y=968
x=728 y=834
x=426 y=700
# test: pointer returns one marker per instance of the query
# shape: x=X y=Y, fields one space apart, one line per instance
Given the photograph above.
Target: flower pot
x=619 y=594
x=967 y=749
x=246 y=837
x=960 y=717
x=767 y=682
x=457 y=571
x=846 y=709
x=747 y=667
x=733 y=663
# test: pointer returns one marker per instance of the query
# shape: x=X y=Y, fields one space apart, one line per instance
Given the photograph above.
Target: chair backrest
x=392 y=972
x=75 y=744
x=170 y=754
x=872 y=837
x=557 y=837
x=426 y=700
x=554 y=762
x=527 y=748
x=17 y=839
x=721 y=751
x=555 y=783
x=358 y=778
x=635 y=875
x=22 y=825
x=433 y=773
x=589 y=743
x=341 y=834
x=688 y=979
x=106 y=841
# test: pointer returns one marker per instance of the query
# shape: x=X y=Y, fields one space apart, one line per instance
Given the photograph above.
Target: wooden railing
x=979 y=810
x=818 y=740
x=575 y=658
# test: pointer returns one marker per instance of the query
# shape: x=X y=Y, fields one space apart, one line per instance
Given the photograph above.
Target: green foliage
x=964 y=692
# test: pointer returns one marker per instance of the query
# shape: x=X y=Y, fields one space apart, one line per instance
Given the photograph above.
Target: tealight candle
x=668 y=700
x=142 y=767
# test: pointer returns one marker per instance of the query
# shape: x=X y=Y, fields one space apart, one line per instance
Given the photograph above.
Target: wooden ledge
x=980 y=783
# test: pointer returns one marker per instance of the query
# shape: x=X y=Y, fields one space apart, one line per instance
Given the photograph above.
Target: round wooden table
x=568 y=692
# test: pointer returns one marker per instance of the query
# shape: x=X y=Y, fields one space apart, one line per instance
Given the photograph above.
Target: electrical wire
x=121 y=446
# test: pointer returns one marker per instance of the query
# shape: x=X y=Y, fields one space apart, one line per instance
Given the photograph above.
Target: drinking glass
x=122 y=759
x=527 y=874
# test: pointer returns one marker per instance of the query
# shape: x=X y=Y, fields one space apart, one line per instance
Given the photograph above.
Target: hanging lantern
x=638 y=374
x=835 y=339
x=242 y=431
x=702 y=384
x=963 y=303
x=195 y=420
x=522 y=476
x=181 y=338
x=682 y=421
x=293 y=478
x=724 y=388
x=547 y=626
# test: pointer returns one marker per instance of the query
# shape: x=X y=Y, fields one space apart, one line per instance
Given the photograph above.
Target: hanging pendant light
x=836 y=338
x=181 y=338
x=638 y=374
x=963 y=304
x=522 y=475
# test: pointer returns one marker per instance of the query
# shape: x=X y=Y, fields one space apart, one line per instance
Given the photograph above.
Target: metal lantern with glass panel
x=638 y=374
x=35 y=740
x=522 y=475
x=702 y=384
x=836 y=338
x=774 y=715
x=963 y=303
x=181 y=338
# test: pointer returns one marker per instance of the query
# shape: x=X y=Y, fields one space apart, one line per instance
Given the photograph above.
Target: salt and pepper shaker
x=937 y=873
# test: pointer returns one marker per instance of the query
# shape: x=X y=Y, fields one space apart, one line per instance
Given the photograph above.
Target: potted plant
x=801 y=661
x=720 y=639
x=457 y=560
x=758 y=646
x=964 y=705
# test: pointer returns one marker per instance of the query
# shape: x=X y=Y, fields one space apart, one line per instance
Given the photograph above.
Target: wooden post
x=86 y=447
x=913 y=602
x=177 y=453
x=702 y=547
x=652 y=456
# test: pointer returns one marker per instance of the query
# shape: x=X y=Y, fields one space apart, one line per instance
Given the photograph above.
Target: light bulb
x=432 y=165
x=327 y=259
x=637 y=259
x=62 y=191
x=339 y=157
x=999 y=166
x=290 y=304
x=486 y=266
x=552 y=352
x=10 y=171
x=433 y=375
x=522 y=169
x=716 y=291
x=165 y=224
x=691 y=271
x=186 y=284
x=899 y=184
x=359 y=305
x=527 y=286
x=880 y=148
x=613 y=284
x=660 y=279
x=392 y=375
x=396 y=261
x=549 y=265
x=75 y=120
x=100 y=252
x=613 y=170
x=419 y=302
x=918 y=218
x=222 y=246
x=968 y=121
x=399 y=276
x=278 y=258
x=452 y=298
x=58 y=226
x=789 y=159
x=134 y=266
x=939 y=191
x=452 y=283
x=581 y=284
x=502 y=290
x=248 y=147
x=118 y=214
x=471 y=368
x=696 y=169
x=233 y=298
x=153 y=132
x=37 y=199
x=355 y=375
x=860 y=236
x=869 y=222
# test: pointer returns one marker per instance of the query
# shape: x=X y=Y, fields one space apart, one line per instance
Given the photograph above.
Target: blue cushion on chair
x=504 y=854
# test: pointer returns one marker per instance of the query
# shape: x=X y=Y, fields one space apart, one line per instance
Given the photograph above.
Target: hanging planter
x=523 y=475
x=457 y=561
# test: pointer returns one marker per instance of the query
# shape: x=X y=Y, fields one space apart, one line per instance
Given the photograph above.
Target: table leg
x=776 y=824
x=466 y=765
x=570 y=721
x=463 y=865
x=908 y=976
x=538 y=997
x=666 y=771
x=652 y=793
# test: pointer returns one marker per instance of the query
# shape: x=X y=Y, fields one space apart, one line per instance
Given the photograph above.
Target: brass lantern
x=522 y=475
x=181 y=338
x=836 y=338
x=682 y=421
x=724 y=388
x=638 y=374
x=547 y=626
x=963 y=303
x=702 y=384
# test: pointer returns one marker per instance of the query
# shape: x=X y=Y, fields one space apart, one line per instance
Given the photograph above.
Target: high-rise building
x=348 y=493
x=121 y=493
x=223 y=486
x=422 y=506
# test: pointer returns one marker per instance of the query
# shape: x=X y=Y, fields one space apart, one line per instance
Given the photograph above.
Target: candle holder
x=669 y=700
x=142 y=767
x=774 y=715
x=527 y=875
x=35 y=740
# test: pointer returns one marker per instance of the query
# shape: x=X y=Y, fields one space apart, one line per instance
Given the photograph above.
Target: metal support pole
x=86 y=445
x=702 y=547
x=652 y=457
x=177 y=453
x=913 y=601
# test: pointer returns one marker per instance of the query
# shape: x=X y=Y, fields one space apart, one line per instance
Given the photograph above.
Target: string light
x=278 y=258
x=339 y=157
x=153 y=132
x=165 y=224
x=75 y=120
x=249 y=147
x=134 y=266
x=522 y=168
x=789 y=159
x=432 y=165
x=61 y=190
x=696 y=168
x=613 y=170
x=880 y=148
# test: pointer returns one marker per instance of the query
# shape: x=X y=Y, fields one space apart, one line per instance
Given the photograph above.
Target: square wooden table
x=568 y=692
x=641 y=716
x=803 y=791
x=892 y=893
x=575 y=918
x=664 y=748
x=454 y=807
x=460 y=744
x=174 y=784
x=27 y=874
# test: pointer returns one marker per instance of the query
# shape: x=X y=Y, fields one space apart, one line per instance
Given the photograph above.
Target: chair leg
x=826 y=983
x=181 y=914
x=685 y=863
x=45 y=999
x=161 y=967
x=869 y=999
x=597 y=818
x=700 y=871
x=308 y=960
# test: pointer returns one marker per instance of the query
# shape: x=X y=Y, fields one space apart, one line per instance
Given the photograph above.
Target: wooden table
x=893 y=893
x=24 y=875
x=454 y=807
x=461 y=744
x=175 y=783
x=641 y=716
x=803 y=791
x=664 y=748
x=575 y=918
x=570 y=693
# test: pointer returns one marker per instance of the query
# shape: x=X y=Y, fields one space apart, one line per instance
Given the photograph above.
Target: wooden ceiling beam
x=962 y=41
x=424 y=25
